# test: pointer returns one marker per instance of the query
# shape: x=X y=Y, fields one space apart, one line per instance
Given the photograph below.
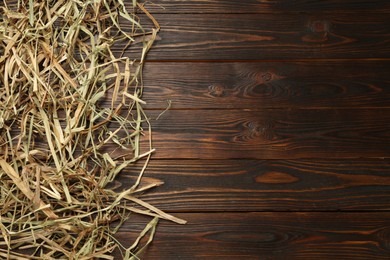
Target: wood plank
x=277 y=235
x=272 y=134
x=204 y=85
x=265 y=134
x=255 y=6
x=268 y=37
x=261 y=185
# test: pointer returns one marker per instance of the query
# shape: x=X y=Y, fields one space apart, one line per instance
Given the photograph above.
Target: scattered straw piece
x=69 y=104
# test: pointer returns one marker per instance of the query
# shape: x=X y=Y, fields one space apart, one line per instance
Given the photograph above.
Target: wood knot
x=250 y=130
x=253 y=128
x=319 y=26
x=318 y=31
x=266 y=76
x=217 y=90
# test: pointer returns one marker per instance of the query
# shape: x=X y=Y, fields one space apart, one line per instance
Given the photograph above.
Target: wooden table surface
x=277 y=145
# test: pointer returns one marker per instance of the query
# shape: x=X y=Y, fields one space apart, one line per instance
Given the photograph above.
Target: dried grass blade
x=71 y=120
x=24 y=188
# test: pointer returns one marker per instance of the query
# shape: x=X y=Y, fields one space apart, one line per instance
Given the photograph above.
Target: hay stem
x=71 y=121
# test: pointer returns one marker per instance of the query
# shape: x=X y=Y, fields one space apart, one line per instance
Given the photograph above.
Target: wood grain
x=255 y=6
x=262 y=185
x=269 y=37
x=244 y=85
x=278 y=106
x=258 y=7
x=272 y=134
x=264 y=134
x=275 y=235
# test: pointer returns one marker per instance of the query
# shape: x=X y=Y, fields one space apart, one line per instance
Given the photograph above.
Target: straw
x=71 y=120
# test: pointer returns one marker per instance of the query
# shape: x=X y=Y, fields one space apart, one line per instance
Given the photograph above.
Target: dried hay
x=68 y=105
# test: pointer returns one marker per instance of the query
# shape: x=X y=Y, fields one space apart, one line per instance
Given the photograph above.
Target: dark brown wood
x=258 y=7
x=255 y=6
x=275 y=235
x=278 y=105
x=266 y=134
x=253 y=185
x=272 y=134
x=204 y=85
x=269 y=37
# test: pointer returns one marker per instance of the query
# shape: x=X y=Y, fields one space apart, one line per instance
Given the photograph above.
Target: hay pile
x=71 y=120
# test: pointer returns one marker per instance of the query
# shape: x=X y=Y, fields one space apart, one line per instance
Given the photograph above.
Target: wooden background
x=277 y=142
